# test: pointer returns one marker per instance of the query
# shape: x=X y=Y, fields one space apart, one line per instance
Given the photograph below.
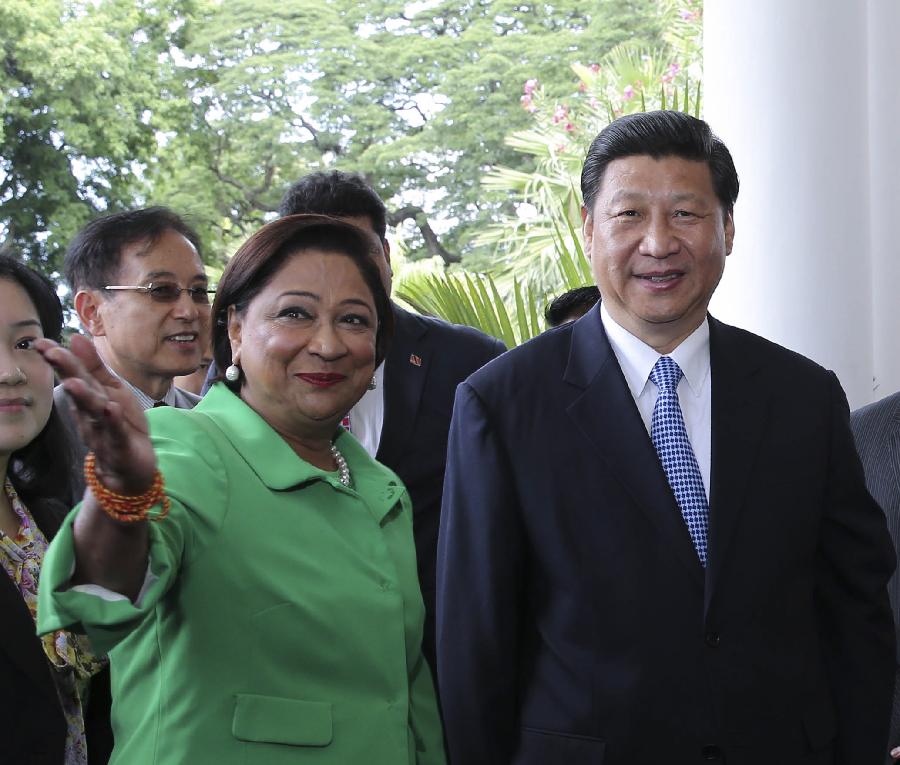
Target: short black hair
x=571 y=304
x=260 y=258
x=337 y=194
x=92 y=259
x=42 y=469
x=660 y=134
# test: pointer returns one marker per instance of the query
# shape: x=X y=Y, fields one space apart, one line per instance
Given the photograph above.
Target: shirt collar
x=146 y=402
x=637 y=359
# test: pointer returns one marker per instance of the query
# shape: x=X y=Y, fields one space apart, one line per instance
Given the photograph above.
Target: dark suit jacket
x=426 y=360
x=32 y=727
x=876 y=429
x=575 y=623
x=418 y=403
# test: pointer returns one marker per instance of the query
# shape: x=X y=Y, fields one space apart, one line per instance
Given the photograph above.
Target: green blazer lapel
x=376 y=484
x=266 y=452
x=279 y=467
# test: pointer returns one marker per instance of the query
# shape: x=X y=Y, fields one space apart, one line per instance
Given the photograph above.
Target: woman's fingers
x=79 y=361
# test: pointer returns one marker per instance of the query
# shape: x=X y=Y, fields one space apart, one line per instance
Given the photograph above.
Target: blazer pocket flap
x=273 y=720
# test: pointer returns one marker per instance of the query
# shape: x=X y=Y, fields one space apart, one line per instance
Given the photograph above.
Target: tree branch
x=252 y=196
x=419 y=216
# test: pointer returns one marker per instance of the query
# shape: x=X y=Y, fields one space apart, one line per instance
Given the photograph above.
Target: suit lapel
x=739 y=407
x=405 y=371
x=606 y=414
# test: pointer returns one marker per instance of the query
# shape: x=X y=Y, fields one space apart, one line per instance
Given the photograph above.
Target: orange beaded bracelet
x=124 y=507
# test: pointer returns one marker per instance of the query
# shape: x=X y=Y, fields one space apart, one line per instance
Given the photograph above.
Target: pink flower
x=560 y=148
x=593 y=103
x=582 y=87
x=530 y=86
x=560 y=114
x=528 y=104
x=628 y=93
x=570 y=128
x=674 y=68
x=595 y=68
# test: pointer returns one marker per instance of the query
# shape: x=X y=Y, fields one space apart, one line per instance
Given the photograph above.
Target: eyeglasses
x=168 y=292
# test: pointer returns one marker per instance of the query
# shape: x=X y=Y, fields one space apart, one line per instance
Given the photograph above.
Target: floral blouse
x=69 y=654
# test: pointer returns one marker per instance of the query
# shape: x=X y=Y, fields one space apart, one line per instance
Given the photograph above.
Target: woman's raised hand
x=110 y=419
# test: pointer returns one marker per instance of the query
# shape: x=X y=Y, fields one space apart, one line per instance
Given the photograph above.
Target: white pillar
x=791 y=87
x=884 y=198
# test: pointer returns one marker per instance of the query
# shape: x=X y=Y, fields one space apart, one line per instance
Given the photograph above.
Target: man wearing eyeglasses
x=140 y=291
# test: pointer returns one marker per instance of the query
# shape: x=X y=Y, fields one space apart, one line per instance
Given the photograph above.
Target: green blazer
x=281 y=621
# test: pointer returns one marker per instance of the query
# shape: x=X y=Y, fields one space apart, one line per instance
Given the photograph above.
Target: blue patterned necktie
x=674 y=449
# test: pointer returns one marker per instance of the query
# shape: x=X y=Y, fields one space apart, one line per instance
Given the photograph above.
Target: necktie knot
x=666 y=374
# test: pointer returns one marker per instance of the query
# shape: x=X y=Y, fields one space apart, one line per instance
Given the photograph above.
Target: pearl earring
x=233 y=373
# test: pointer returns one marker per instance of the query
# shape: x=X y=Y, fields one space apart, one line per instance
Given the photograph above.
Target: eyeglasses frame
x=146 y=289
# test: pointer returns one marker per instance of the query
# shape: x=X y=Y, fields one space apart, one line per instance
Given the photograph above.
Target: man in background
x=570 y=305
x=876 y=428
x=141 y=293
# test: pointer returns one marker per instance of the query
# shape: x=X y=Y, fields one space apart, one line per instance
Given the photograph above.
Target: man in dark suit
x=404 y=419
x=876 y=429
x=656 y=542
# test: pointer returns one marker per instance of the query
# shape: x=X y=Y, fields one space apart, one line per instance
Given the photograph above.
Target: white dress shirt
x=367 y=417
x=637 y=360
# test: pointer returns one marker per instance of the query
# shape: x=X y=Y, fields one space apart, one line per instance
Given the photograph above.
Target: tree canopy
x=215 y=107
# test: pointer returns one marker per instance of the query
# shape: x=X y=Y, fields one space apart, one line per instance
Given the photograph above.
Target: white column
x=791 y=87
x=884 y=197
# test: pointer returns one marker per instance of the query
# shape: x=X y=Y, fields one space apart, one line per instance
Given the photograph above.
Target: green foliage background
x=213 y=108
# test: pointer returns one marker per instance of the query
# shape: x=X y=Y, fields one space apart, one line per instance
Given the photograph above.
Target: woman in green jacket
x=248 y=567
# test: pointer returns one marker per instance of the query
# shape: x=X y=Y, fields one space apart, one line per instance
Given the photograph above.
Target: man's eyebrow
x=684 y=196
x=169 y=275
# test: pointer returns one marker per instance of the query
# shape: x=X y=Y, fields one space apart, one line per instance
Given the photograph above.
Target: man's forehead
x=171 y=256
x=641 y=176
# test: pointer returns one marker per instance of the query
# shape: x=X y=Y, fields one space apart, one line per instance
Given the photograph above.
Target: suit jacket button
x=712 y=754
x=712 y=639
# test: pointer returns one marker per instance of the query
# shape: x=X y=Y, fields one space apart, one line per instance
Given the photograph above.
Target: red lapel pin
x=416 y=361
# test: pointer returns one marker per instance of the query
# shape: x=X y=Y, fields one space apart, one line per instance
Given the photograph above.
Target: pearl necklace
x=343 y=468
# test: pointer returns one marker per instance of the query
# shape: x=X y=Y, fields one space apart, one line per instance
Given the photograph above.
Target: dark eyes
x=301 y=314
x=26 y=344
x=354 y=319
x=293 y=312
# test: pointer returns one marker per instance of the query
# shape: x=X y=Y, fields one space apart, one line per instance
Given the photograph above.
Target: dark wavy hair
x=660 y=134
x=260 y=258
x=41 y=470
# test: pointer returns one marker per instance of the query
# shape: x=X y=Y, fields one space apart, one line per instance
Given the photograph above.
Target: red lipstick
x=321 y=379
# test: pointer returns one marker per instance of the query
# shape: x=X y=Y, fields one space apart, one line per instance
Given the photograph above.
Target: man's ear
x=587 y=230
x=89 y=307
x=729 y=232
x=386 y=246
x=234 y=334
